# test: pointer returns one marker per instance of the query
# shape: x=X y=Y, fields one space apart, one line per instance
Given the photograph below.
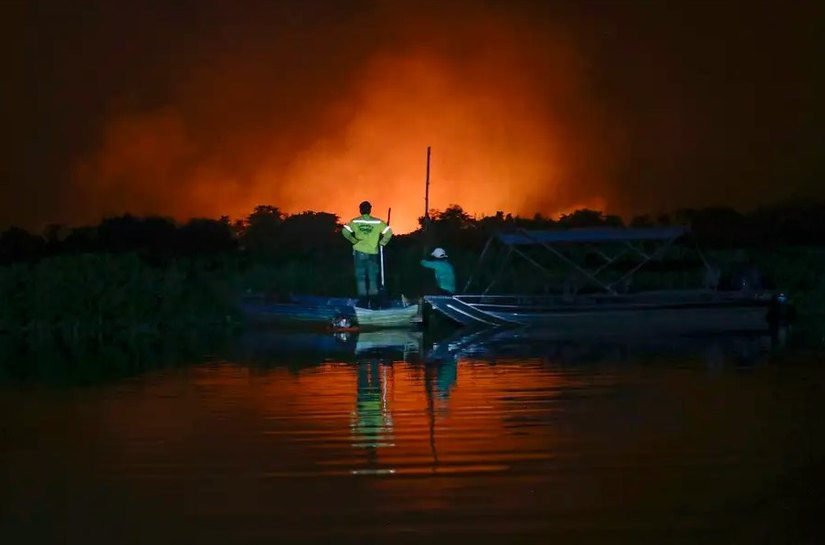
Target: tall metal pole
x=426 y=208
x=427 y=190
x=424 y=231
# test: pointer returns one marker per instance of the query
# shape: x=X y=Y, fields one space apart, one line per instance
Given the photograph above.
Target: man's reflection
x=372 y=420
x=439 y=380
x=440 y=374
x=446 y=378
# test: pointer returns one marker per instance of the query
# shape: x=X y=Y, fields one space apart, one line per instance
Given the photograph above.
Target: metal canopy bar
x=500 y=270
x=569 y=261
x=534 y=262
x=609 y=261
x=586 y=236
x=478 y=264
x=659 y=251
x=637 y=250
x=596 y=234
x=598 y=251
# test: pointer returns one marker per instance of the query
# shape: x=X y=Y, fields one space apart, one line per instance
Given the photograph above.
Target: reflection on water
x=492 y=437
x=372 y=420
x=266 y=346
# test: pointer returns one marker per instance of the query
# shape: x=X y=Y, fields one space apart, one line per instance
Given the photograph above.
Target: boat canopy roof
x=627 y=238
x=593 y=235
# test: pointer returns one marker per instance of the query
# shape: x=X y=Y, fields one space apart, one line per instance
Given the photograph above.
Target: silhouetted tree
x=793 y=223
x=261 y=234
x=452 y=227
x=80 y=240
x=717 y=226
x=453 y=218
x=642 y=221
x=312 y=234
x=128 y=233
x=17 y=244
x=54 y=234
x=589 y=218
x=206 y=236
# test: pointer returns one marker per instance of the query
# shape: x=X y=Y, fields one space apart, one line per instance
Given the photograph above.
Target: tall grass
x=110 y=297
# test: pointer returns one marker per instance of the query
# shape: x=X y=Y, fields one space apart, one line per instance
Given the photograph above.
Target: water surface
x=392 y=438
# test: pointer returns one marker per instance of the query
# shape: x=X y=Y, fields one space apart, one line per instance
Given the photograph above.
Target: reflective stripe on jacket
x=366 y=233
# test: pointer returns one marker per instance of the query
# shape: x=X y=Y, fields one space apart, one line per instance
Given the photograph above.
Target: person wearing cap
x=443 y=269
x=366 y=233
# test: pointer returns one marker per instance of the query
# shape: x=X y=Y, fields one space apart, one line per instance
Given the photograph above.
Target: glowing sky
x=209 y=108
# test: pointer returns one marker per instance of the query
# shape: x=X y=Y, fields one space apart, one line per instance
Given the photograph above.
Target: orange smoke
x=489 y=152
x=503 y=106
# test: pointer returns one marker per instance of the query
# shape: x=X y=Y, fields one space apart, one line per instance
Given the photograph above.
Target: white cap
x=439 y=253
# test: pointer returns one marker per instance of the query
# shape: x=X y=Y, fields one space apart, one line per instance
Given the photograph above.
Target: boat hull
x=391 y=317
x=682 y=313
x=308 y=310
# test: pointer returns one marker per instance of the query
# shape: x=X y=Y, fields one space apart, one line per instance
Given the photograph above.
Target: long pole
x=381 y=248
x=424 y=231
x=427 y=189
x=426 y=207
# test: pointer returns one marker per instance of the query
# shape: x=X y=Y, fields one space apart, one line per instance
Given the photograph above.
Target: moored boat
x=609 y=301
x=653 y=311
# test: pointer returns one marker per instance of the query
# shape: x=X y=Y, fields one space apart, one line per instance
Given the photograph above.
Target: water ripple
x=484 y=446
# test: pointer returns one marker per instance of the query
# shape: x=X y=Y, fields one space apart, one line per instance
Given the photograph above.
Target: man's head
x=439 y=253
x=365 y=207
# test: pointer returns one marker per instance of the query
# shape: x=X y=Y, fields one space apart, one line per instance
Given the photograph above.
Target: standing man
x=366 y=233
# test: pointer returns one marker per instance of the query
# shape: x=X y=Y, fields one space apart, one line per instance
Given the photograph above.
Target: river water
x=396 y=438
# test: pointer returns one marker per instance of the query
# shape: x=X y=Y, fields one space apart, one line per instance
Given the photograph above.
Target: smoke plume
x=348 y=115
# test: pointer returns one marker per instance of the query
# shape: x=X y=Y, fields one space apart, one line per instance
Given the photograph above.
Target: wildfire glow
x=509 y=121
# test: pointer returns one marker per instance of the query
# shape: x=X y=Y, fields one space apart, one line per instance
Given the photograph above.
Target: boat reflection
x=371 y=422
x=269 y=347
x=495 y=344
x=382 y=430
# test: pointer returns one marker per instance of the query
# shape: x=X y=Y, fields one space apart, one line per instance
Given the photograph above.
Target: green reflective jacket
x=366 y=232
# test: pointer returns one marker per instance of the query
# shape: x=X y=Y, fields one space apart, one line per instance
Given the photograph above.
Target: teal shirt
x=444 y=273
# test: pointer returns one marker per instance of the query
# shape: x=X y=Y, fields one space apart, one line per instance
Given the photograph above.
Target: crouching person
x=443 y=270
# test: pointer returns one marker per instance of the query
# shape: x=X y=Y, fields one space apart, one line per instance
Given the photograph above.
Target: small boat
x=611 y=304
x=402 y=316
x=338 y=313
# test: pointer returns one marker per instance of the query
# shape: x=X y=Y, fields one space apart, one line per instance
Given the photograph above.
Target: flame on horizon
x=509 y=121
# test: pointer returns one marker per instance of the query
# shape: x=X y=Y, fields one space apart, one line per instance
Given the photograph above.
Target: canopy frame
x=630 y=240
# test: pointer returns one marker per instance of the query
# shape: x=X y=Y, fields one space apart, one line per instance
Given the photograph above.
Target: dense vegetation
x=130 y=277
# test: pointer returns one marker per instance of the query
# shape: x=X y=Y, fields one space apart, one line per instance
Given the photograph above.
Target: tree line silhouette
x=134 y=276
x=271 y=235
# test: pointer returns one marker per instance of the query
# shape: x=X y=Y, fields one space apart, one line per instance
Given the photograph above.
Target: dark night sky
x=208 y=107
